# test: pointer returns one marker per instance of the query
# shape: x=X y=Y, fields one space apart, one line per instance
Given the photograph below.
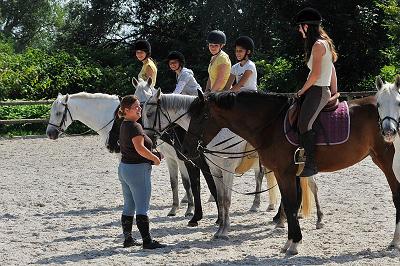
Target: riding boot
x=127 y=222
x=142 y=223
x=307 y=140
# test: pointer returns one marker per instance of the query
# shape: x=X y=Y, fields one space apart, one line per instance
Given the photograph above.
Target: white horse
x=176 y=107
x=144 y=91
x=97 y=112
x=388 y=103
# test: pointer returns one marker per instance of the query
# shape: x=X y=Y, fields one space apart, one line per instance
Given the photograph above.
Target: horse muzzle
x=52 y=133
x=389 y=134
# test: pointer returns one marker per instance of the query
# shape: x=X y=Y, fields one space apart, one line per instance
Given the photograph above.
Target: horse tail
x=272 y=183
x=306 y=205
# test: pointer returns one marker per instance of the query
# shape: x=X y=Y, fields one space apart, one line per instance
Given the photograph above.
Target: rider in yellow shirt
x=143 y=54
x=219 y=68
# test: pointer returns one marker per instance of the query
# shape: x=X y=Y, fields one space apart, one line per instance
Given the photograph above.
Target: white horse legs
x=186 y=185
x=173 y=175
x=259 y=174
x=314 y=190
x=224 y=202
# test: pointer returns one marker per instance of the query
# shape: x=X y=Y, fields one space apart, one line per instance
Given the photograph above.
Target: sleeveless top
x=221 y=58
x=142 y=74
x=326 y=66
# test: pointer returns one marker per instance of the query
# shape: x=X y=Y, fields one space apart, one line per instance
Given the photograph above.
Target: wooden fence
x=24 y=121
x=343 y=95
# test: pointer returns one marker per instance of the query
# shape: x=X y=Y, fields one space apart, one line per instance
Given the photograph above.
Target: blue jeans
x=136 y=187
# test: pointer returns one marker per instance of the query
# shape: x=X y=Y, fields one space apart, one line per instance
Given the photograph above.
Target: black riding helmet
x=245 y=42
x=308 y=15
x=176 y=55
x=143 y=45
x=216 y=37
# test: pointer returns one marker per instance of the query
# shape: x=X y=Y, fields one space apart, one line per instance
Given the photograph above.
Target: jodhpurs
x=315 y=100
x=136 y=187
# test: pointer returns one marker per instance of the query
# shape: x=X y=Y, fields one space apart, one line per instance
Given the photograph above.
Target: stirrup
x=299 y=157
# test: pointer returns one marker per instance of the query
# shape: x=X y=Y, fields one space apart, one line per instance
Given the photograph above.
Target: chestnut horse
x=259 y=118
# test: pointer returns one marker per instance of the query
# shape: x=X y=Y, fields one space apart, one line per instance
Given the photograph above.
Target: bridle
x=64 y=117
x=391 y=119
x=157 y=120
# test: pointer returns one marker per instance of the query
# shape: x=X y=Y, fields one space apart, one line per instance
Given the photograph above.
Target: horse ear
x=149 y=81
x=135 y=82
x=200 y=95
x=65 y=100
x=158 y=94
x=378 y=83
x=397 y=82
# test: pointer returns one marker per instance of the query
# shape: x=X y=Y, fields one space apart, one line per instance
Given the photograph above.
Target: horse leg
x=173 y=176
x=218 y=179
x=186 y=184
x=314 y=189
x=194 y=177
x=291 y=197
x=384 y=161
x=280 y=217
x=205 y=169
x=273 y=189
x=259 y=174
x=228 y=182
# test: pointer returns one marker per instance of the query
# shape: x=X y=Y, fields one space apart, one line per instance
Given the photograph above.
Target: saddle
x=294 y=109
x=332 y=125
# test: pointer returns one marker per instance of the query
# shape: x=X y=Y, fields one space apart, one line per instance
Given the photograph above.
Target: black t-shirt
x=129 y=130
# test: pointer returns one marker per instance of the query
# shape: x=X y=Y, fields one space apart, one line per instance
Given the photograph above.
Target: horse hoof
x=171 y=214
x=319 y=225
x=292 y=252
x=254 y=209
x=218 y=222
x=192 y=224
x=188 y=214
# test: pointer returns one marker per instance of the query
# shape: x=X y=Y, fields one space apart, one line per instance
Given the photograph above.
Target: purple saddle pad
x=335 y=127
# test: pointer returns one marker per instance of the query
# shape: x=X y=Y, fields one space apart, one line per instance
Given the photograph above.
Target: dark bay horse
x=259 y=118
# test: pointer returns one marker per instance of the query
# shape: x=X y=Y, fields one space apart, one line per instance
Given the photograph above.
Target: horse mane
x=229 y=99
x=97 y=96
x=176 y=101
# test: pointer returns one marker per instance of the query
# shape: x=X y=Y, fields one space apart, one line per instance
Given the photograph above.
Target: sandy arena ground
x=60 y=203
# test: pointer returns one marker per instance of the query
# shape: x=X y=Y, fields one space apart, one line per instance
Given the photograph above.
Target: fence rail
x=346 y=95
x=24 y=121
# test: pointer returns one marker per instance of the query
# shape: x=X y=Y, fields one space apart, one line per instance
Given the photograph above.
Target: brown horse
x=259 y=118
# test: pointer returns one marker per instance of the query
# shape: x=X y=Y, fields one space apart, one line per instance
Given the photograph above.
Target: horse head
x=60 y=117
x=388 y=103
x=143 y=89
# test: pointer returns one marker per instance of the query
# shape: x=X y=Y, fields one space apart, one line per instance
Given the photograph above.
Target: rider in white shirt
x=186 y=83
x=244 y=73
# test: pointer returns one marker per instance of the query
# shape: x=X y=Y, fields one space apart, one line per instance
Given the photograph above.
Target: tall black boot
x=307 y=140
x=127 y=222
x=142 y=223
